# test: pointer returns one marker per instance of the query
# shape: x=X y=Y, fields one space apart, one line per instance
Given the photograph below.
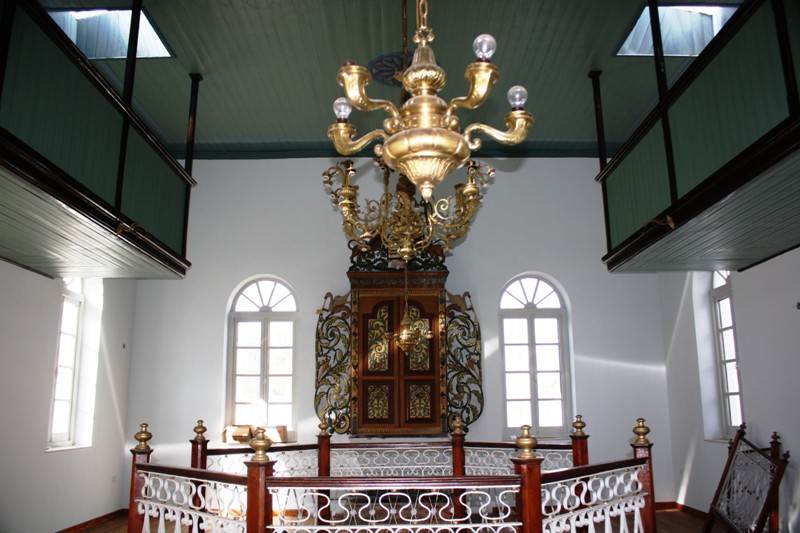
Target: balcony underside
x=56 y=231
x=745 y=214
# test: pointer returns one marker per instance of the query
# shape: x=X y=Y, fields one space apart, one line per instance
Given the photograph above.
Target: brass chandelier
x=423 y=142
x=404 y=224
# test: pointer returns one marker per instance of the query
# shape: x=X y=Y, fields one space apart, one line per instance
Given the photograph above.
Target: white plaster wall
x=50 y=491
x=273 y=217
x=765 y=301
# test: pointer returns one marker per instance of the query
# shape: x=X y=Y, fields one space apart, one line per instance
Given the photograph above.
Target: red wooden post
x=324 y=450
x=643 y=448
x=459 y=463
x=774 y=513
x=259 y=470
x=141 y=454
x=580 y=443
x=199 y=447
x=324 y=462
x=529 y=467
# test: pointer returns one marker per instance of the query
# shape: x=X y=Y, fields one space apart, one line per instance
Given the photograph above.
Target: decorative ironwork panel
x=333 y=363
x=295 y=463
x=605 y=498
x=489 y=461
x=464 y=377
x=394 y=508
x=382 y=462
x=201 y=505
x=378 y=401
x=746 y=487
x=419 y=402
x=378 y=341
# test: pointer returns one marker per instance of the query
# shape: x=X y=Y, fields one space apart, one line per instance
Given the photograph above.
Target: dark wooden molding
x=94 y=522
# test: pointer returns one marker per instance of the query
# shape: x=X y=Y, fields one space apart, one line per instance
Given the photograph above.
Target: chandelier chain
x=424 y=34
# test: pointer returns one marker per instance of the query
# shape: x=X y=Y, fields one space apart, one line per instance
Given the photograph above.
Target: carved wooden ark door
x=398 y=392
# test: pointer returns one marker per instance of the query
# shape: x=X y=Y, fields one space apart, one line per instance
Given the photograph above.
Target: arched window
x=261 y=346
x=534 y=326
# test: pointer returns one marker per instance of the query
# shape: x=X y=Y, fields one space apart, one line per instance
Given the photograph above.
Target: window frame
x=530 y=313
x=68 y=438
x=718 y=294
x=264 y=317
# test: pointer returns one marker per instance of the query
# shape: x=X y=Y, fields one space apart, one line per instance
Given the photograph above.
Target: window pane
x=515 y=290
x=64 y=383
x=547 y=357
x=248 y=361
x=550 y=413
x=265 y=289
x=720 y=278
x=66 y=350
x=248 y=334
x=246 y=413
x=518 y=414
x=279 y=295
x=735 y=407
x=545 y=330
x=280 y=361
x=252 y=293
x=280 y=333
x=279 y=414
x=529 y=286
x=724 y=310
x=728 y=345
x=731 y=377
x=280 y=389
x=61 y=415
x=548 y=385
x=243 y=304
x=509 y=302
x=552 y=301
x=69 y=317
x=517 y=359
x=248 y=388
x=544 y=293
x=515 y=331
x=518 y=386
x=286 y=305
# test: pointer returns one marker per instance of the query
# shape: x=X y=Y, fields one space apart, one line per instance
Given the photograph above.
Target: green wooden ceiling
x=269 y=68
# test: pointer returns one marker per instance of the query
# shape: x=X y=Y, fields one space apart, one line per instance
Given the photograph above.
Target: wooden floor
x=666 y=522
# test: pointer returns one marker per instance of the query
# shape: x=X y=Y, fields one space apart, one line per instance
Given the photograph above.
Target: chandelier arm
x=481 y=76
x=517 y=121
x=341 y=133
x=354 y=79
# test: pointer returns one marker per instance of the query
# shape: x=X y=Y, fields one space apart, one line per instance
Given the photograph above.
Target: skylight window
x=685 y=30
x=103 y=34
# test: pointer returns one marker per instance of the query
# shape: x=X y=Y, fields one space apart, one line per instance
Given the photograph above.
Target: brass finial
x=641 y=432
x=260 y=444
x=526 y=443
x=323 y=427
x=143 y=436
x=199 y=431
x=579 y=424
x=458 y=426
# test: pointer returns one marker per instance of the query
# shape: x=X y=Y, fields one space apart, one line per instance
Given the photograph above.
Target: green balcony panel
x=638 y=189
x=153 y=194
x=739 y=97
x=54 y=108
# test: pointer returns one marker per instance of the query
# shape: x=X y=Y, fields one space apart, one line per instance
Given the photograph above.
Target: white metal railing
x=197 y=504
x=287 y=462
x=597 y=502
x=389 y=505
x=491 y=461
x=382 y=462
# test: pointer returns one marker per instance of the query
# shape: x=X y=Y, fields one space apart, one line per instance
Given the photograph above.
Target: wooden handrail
x=196 y=473
x=589 y=470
